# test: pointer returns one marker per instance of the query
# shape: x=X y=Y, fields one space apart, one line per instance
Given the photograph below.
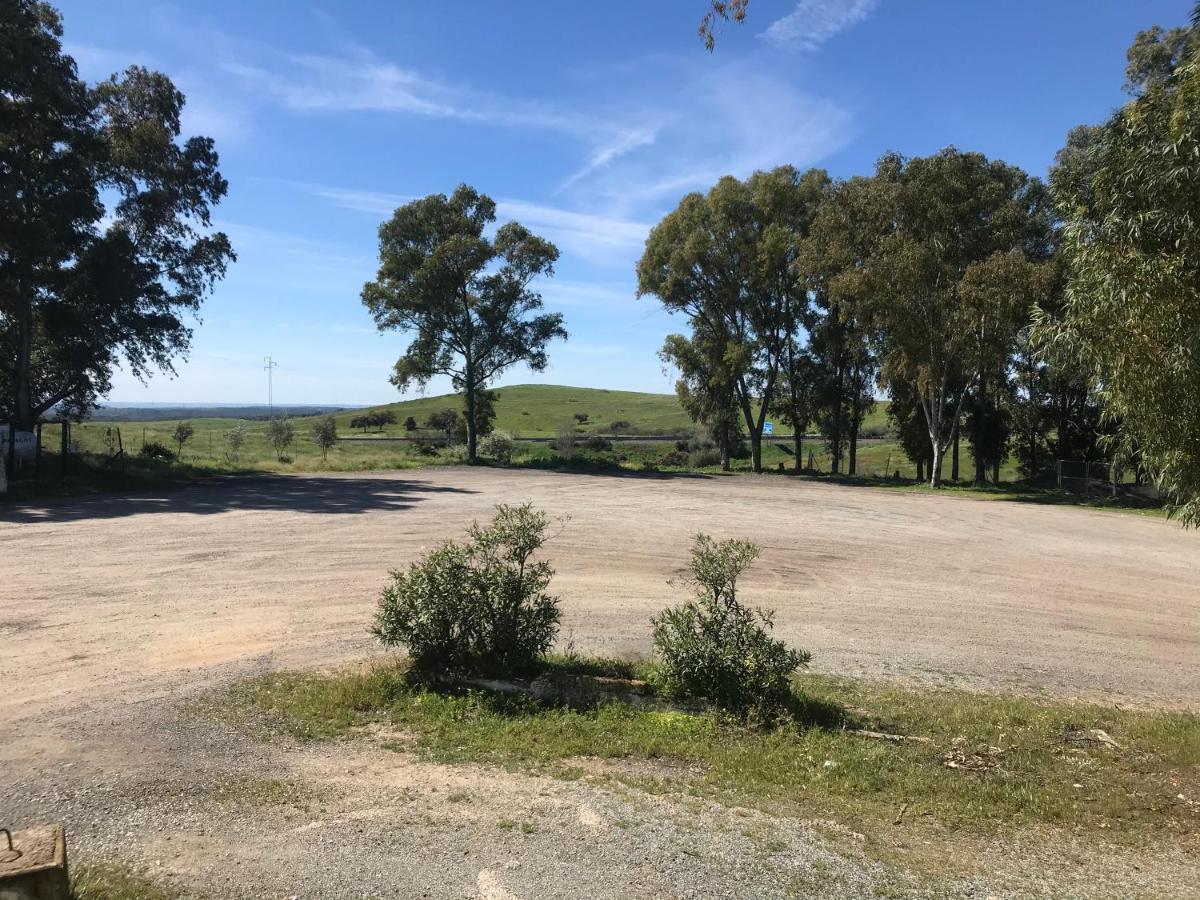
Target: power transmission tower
x=269 y=368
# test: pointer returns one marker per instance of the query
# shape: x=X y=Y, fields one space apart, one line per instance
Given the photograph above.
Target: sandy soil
x=116 y=612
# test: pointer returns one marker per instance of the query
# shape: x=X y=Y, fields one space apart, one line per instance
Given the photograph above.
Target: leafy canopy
x=104 y=222
x=465 y=298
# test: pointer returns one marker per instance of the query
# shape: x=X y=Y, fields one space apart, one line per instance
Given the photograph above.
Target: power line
x=269 y=368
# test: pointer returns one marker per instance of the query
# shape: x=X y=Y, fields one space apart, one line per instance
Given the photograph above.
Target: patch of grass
x=990 y=762
x=114 y=883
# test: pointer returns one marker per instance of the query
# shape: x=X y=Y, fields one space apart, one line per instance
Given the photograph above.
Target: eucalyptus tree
x=728 y=260
x=105 y=237
x=1130 y=319
x=943 y=281
x=844 y=237
x=466 y=298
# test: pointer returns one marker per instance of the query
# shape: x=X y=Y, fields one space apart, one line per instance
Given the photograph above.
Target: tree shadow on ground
x=342 y=495
x=611 y=469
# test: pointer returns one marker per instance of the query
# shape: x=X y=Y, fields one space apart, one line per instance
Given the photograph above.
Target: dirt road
x=136 y=597
x=115 y=613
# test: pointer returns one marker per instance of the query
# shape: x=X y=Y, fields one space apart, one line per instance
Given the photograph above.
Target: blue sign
x=768 y=428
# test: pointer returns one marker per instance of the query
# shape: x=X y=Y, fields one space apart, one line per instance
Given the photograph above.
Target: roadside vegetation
x=723 y=711
x=110 y=882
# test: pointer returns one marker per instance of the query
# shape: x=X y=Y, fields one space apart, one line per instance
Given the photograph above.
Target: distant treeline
x=167 y=413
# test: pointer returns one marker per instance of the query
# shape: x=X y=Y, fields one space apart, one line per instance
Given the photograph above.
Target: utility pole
x=270 y=370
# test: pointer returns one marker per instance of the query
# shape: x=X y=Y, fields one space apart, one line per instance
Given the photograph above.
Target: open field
x=124 y=612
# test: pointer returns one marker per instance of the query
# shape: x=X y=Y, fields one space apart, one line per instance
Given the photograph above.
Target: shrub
x=410 y=424
x=675 y=458
x=717 y=649
x=324 y=434
x=183 y=433
x=499 y=445
x=280 y=434
x=564 y=441
x=479 y=606
x=703 y=459
x=618 y=426
x=581 y=418
x=156 y=451
x=235 y=439
x=598 y=443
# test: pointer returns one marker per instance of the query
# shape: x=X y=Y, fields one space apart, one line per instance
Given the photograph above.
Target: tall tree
x=465 y=298
x=728 y=261
x=843 y=238
x=105 y=240
x=1131 y=316
x=957 y=224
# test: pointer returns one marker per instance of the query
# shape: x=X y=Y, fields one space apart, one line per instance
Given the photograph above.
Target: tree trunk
x=954 y=460
x=996 y=472
x=470 y=415
x=799 y=438
x=23 y=415
x=980 y=404
x=756 y=449
x=935 y=466
x=920 y=470
x=852 y=467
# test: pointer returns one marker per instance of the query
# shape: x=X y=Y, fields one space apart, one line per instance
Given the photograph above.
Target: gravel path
x=118 y=612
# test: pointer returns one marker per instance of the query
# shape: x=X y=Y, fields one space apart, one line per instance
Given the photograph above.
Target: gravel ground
x=119 y=612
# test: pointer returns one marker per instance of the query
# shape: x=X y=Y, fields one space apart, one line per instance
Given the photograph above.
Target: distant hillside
x=537 y=410
x=166 y=413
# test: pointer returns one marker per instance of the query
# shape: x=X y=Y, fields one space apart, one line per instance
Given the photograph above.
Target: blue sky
x=586 y=121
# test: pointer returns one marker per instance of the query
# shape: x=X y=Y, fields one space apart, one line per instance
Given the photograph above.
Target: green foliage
x=499 y=445
x=1131 y=317
x=479 y=606
x=324 y=434
x=465 y=297
x=375 y=419
x=235 y=439
x=1028 y=773
x=280 y=434
x=184 y=431
x=104 y=221
x=729 y=260
x=156 y=451
x=717 y=649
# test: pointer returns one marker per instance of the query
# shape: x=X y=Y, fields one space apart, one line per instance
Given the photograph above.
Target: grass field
x=970 y=761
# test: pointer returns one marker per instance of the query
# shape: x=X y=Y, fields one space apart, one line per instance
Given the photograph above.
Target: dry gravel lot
x=116 y=612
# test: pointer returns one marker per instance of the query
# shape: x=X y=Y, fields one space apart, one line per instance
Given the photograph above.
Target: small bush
x=675 y=458
x=480 y=606
x=703 y=459
x=499 y=445
x=156 y=451
x=581 y=418
x=564 y=441
x=456 y=453
x=598 y=444
x=618 y=426
x=717 y=649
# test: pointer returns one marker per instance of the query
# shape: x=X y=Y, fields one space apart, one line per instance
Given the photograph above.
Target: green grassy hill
x=537 y=410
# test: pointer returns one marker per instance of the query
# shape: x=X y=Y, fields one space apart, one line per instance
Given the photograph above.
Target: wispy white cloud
x=624 y=143
x=363 y=82
x=813 y=22
x=595 y=237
